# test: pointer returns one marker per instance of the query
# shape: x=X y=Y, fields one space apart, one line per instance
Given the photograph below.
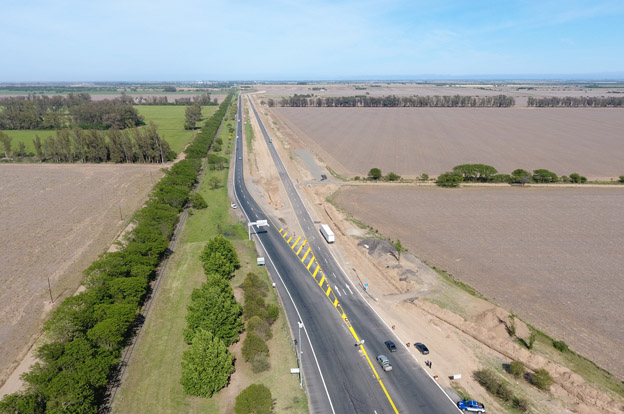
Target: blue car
x=471 y=406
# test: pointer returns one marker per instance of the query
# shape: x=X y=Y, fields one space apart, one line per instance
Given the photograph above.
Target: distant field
x=412 y=141
x=168 y=118
x=170 y=122
x=552 y=255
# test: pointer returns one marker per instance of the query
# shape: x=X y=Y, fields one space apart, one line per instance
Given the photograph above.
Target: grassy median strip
x=153 y=381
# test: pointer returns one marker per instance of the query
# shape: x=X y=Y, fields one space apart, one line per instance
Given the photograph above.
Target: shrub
x=544 y=176
x=621 y=180
x=273 y=313
x=501 y=178
x=541 y=379
x=561 y=346
x=424 y=177
x=489 y=380
x=254 y=345
x=255 y=399
x=198 y=201
x=521 y=404
x=260 y=326
x=260 y=363
x=516 y=368
x=520 y=176
x=393 y=177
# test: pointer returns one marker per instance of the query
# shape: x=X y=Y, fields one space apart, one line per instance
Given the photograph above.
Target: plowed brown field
x=54 y=221
x=552 y=255
x=412 y=141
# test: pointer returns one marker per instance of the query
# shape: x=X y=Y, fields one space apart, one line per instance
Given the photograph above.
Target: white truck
x=327 y=233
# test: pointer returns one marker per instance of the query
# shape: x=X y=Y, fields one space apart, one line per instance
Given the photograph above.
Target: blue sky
x=155 y=40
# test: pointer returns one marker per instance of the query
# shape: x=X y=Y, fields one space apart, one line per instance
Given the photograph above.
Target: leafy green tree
x=192 y=116
x=259 y=326
x=206 y=365
x=219 y=244
x=544 y=176
x=521 y=176
x=374 y=174
x=255 y=399
x=532 y=338
x=198 y=201
x=215 y=310
x=424 y=177
x=23 y=403
x=621 y=179
x=38 y=148
x=214 y=182
x=449 y=179
x=6 y=144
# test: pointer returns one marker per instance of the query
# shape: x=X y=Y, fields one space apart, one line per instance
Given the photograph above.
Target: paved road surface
x=339 y=376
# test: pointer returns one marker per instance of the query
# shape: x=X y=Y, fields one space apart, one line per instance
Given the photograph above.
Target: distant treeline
x=135 y=145
x=80 y=111
x=393 y=101
x=73 y=110
x=582 y=101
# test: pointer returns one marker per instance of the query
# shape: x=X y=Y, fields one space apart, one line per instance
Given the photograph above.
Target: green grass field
x=168 y=118
x=152 y=383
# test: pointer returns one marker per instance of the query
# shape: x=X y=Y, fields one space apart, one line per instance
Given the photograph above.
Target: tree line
x=203 y=100
x=581 y=101
x=483 y=173
x=87 y=332
x=73 y=110
x=392 y=101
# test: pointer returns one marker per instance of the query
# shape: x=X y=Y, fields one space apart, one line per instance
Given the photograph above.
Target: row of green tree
x=71 y=111
x=416 y=101
x=580 y=101
x=487 y=174
x=142 y=145
x=87 y=332
x=203 y=100
x=213 y=322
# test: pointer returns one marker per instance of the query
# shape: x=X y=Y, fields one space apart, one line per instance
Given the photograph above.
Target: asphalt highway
x=339 y=376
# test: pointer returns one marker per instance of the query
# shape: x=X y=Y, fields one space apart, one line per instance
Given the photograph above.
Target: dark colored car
x=422 y=348
x=391 y=346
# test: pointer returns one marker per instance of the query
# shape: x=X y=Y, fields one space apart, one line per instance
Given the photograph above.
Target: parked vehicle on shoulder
x=471 y=406
x=422 y=348
x=384 y=362
x=234 y=205
x=391 y=346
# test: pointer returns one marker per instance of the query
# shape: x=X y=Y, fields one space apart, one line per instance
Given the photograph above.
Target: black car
x=391 y=346
x=422 y=348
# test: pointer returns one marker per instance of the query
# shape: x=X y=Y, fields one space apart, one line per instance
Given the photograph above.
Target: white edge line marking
x=291 y=299
x=348 y=278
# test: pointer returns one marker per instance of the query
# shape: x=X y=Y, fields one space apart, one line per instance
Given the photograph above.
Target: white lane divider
x=337 y=291
x=349 y=287
x=333 y=274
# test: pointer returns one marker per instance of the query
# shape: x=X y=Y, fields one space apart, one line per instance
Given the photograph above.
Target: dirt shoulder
x=465 y=333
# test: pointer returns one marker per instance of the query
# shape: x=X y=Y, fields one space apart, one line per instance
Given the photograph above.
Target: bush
x=621 y=180
x=521 y=404
x=561 y=346
x=260 y=326
x=254 y=345
x=541 y=379
x=494 y=385
x=255 y=399
x=393 y=177
x=273 y=313
x=449 y=179
x=424 y=177
x=517 y=369
x=260 y=363
x=198 y=201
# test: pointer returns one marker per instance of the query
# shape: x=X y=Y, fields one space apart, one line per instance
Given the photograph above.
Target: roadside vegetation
x=154 y=377
x=393 y=101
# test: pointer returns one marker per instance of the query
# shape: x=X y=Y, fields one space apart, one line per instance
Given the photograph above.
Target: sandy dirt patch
x=55 y=220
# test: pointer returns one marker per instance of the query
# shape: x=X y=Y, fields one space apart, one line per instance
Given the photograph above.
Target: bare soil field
x=552 y=255
x=54 y=221
x=412 y=141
